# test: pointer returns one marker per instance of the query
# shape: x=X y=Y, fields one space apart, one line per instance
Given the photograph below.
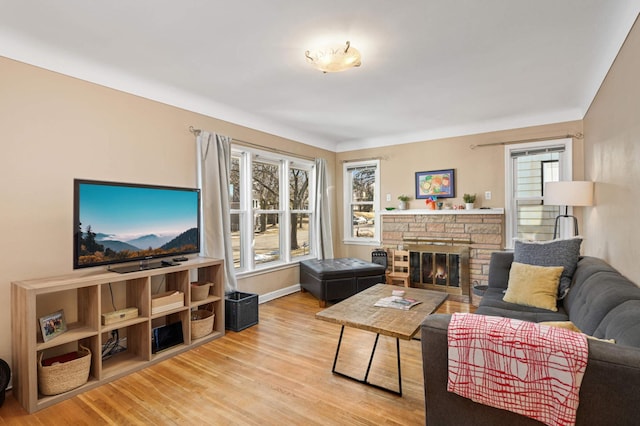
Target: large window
x=528 y=168
x=270 y=209
x=361 y=202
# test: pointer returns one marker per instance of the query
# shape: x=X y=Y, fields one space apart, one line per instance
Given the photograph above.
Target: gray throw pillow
x=563 y=253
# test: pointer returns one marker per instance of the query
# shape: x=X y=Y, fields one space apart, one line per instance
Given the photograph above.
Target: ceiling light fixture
x=334 y=58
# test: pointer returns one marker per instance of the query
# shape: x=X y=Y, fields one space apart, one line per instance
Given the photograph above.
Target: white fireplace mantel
x=440 y=212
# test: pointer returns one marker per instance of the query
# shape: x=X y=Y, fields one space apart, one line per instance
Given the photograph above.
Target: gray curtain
x=322 y=217
x=214 y=161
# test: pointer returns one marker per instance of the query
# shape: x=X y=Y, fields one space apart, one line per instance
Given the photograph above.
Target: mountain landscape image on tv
x=118 y=222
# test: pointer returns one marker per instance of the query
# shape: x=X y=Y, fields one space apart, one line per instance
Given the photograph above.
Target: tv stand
x=85 y=297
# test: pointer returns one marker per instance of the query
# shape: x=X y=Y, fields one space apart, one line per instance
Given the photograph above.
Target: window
x=528 y=168
x=361 y=202
x=270 y=209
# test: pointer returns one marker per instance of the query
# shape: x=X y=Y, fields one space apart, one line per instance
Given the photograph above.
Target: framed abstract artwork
x=436 y=183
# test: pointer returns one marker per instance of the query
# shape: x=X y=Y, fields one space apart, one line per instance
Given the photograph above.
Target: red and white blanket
x=518 y=366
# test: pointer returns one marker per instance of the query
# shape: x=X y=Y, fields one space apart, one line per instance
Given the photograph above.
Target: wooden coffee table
x=358 y=312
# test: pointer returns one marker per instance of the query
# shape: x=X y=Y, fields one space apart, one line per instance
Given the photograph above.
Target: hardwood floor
x=277 y=372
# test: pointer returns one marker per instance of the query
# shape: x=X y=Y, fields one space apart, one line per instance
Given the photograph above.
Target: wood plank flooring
x=275 y=373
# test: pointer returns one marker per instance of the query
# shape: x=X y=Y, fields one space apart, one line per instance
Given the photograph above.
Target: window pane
x=234 y=183
x=300 y=234
x=266 y=185
x=363 y=184
x=535 y=221
x=550 y=172
x=530 y=173
x=266 y=238
x=236 y=240
x=363 y=221
x=298 y=189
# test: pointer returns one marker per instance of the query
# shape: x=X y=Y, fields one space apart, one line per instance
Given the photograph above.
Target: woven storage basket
x=199 y=291
x=63 y=377
x=201 y=323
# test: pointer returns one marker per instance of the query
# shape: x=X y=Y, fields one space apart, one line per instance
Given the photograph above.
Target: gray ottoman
x=335 y=279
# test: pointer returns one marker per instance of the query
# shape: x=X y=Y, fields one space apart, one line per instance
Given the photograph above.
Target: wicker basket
x=63 y=377
x=201 y=323
x=199 y=291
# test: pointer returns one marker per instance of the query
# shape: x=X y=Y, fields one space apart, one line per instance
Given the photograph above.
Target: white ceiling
x=430 y=68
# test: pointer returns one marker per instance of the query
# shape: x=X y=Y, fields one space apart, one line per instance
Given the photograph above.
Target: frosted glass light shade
x=568 y=193
x=334 y=58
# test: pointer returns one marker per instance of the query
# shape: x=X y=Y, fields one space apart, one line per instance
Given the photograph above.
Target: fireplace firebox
x=442 y=266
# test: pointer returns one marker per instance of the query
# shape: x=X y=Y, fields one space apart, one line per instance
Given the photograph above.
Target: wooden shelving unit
x=93 y=294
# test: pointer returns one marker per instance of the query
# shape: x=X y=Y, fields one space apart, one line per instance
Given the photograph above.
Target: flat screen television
x=122 y=222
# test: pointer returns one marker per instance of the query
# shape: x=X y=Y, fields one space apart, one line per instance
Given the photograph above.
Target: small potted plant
x=403 y=201
x=469 y=200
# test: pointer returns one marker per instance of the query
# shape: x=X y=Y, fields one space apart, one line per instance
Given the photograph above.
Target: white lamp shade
x=568 y=193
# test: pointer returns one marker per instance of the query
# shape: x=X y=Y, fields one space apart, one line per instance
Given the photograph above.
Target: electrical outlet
x=388 y=197
x=487 y=195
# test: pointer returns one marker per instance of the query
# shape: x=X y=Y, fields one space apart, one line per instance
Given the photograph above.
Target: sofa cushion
x=598 y=294
x=492 y=304
x=563 y=253
x=587 y=266
x=533 y=285
x=622 y=324
x=499 y=267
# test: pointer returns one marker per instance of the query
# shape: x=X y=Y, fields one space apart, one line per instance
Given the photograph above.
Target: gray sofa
x=601 y=303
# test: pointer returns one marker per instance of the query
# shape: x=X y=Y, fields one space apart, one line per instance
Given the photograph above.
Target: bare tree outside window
x=362 y=185
x=266 y=198
x=299 y=200
x=270 y=208
x=236 y=215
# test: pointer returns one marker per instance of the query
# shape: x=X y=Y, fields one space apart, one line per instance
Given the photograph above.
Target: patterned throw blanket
x=518 y=366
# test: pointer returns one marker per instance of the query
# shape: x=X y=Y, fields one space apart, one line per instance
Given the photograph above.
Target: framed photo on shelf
x=436 y=183
x=52 y=325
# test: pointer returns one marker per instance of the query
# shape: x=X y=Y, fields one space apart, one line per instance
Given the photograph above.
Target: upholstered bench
x=334 y=279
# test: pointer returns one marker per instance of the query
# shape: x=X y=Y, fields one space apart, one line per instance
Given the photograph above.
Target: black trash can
x=477 y=293
x=240 y=310
x=5 y=376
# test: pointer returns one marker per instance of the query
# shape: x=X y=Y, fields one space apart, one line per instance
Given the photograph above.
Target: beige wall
x=612 y=160
x=476 y=170
x=55 y=128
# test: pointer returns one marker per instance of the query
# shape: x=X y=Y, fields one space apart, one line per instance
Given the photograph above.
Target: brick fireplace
x=450 y=249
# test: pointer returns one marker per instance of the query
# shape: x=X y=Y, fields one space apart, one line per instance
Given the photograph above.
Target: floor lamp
x=568 y=193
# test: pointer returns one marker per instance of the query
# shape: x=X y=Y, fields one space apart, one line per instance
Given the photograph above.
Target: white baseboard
x=278 y=293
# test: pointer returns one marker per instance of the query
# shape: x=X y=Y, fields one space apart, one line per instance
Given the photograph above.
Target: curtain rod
x=548 y=138
x=197 y=133
x=365 y=159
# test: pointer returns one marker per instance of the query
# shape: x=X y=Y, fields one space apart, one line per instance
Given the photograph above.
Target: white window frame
x=248 y=211
x=348 y=237
x=566 y=173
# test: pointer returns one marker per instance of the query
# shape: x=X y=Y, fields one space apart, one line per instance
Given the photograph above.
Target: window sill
x=272 y=268
x=362 y=243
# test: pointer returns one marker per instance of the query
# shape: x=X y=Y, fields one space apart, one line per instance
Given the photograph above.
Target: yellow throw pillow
x=562 y=324
x=533 y=285
x=572 y=327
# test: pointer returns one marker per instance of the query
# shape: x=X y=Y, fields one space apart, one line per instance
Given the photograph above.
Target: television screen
x=122 y=222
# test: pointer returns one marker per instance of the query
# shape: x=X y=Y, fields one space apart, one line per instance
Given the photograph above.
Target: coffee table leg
x=366 y=376
x=399 y=374
x=335 y=360
x=373 y=351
